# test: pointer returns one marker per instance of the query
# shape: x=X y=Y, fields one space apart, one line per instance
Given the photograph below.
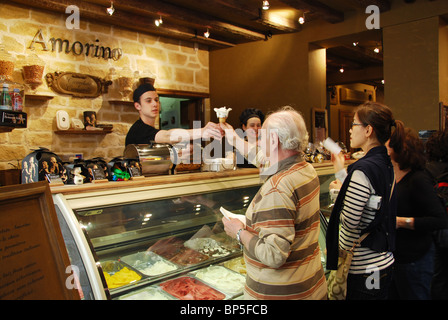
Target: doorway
x=179 y=109
x=345 y=124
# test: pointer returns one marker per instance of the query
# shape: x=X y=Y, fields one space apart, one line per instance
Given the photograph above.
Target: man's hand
x=231 y=226
x=212 y=130
x=230 y=134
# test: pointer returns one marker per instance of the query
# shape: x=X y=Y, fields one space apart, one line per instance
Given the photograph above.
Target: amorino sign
x=77 y=48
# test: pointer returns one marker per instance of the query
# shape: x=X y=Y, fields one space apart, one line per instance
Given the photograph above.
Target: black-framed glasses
x=356 y=124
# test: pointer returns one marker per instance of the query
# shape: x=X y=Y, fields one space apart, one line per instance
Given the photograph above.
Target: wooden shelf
x=38 y=97
x=83 y=132
x=123 y=102
x=6 y=129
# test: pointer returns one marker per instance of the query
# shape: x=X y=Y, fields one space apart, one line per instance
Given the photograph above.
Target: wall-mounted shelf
x=38 y=97
x=122 y=102
x=6 y=129
x=83 y=132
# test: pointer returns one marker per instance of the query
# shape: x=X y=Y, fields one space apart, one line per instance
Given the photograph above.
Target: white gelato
x=146 y=294
x=223 y=279
x=158 y=268
x=222 y=113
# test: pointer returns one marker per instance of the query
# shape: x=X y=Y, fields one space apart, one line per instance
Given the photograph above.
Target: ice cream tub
x=149 y=263
x=225 y=280
x=173 y=249
x=207 y=246
x=190 y=288
x=117 y=274
x=148 y=293
x=237 y=265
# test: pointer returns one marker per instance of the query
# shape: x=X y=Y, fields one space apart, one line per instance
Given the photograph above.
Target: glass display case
x=153 y=242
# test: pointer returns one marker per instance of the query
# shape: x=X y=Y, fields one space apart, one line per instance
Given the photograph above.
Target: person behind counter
x=280 y=239
x=251 y=120
x=143 y=131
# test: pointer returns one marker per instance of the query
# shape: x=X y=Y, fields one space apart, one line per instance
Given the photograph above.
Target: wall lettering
x=94 y=50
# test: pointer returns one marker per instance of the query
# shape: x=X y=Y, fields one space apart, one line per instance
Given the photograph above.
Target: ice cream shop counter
x=161 y=237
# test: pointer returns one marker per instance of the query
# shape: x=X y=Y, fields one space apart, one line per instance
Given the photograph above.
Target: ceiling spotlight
x=376 y=50
x=111 y=9
x=207 y=33
x=355 y=44
x=265 y=5
x=158 y=22
x=341 y=70
x=302 y=20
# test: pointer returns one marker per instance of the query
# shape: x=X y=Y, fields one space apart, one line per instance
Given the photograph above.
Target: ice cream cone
x=222 y=120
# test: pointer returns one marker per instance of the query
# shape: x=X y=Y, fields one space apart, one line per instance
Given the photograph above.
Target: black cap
x=251 y=113
x=145 y=87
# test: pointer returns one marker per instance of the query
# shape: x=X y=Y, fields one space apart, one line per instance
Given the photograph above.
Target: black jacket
x=376 y=165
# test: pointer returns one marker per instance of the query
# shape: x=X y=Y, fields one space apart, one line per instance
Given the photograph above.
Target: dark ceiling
x=233 y=22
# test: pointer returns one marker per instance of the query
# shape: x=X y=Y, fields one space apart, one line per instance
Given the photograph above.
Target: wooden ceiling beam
x=176 y=14
x=277 y=22
x=94 y=12
x=383 y=5
x=354 y=76
x=370 y=54
x=325 y=12
x=239 y=8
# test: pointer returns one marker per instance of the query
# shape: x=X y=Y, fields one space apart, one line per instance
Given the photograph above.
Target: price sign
x=33 y=257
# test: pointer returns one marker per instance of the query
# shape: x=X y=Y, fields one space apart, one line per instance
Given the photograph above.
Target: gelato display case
x=160 y=241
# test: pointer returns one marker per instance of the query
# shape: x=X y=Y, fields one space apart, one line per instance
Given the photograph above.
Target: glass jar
x=33 y=71
x=6 y=64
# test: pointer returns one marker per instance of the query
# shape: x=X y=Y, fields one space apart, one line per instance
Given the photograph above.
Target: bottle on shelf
x=5 y=101
x=17 y=101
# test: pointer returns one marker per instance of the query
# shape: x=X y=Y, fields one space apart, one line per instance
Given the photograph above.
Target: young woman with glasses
x=366 y=204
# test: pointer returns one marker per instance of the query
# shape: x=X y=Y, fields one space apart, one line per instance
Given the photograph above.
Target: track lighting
x=265 y=5
x=341 y=70
x=158 y=22
x=111 y=9
x=207 y=33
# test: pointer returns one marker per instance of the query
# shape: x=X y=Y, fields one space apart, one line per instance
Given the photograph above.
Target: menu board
x=33 y=257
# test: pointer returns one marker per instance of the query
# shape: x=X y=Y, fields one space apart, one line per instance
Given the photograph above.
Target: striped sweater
x=283 y=258
x=355 y=217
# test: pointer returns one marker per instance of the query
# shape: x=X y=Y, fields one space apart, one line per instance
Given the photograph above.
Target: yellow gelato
x=121 y=278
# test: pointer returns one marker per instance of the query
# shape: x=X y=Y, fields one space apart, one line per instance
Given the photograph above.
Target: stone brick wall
x=175 y=64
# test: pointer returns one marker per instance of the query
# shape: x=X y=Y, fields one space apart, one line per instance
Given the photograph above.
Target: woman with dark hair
x=419 y=213
x=366 y=205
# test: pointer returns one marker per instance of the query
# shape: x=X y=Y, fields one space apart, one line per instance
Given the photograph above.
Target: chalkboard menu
x=33 y=257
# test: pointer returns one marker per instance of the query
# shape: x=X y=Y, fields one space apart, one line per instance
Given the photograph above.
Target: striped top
x=355 y=217
x=283 y=258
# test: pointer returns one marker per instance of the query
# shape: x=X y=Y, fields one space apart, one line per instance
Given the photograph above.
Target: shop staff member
x=146 y=101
